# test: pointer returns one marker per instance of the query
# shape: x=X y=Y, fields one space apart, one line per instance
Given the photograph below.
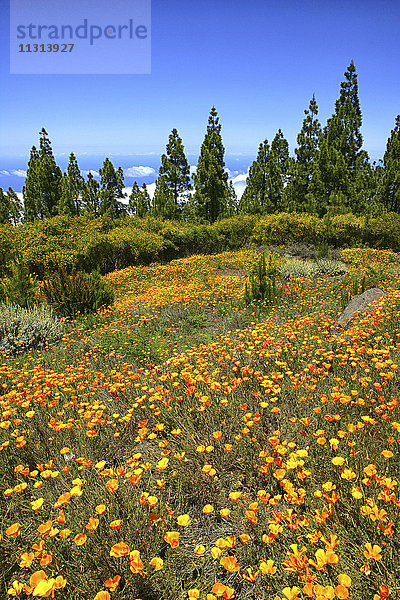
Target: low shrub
x=262 y=286
x=19 y=287
x=77 y=293
x=299 y=268
x=331 y=267
x=24 y=328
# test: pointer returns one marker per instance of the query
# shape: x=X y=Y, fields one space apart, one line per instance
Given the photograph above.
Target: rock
x=359 y=304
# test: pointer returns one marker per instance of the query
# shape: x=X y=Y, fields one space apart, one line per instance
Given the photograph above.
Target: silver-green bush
x=299 y=268
x=331 y=267
x=23 y=328
x=308 y=268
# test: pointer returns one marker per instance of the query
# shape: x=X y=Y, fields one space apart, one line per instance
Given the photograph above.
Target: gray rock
x=359 y=304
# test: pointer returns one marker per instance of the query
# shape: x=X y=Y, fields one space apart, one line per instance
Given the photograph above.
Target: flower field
x=183 y=445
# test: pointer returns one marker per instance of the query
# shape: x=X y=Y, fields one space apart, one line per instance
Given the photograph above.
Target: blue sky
x=257 y=61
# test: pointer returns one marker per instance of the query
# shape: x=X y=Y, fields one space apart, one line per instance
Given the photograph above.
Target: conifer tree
x=343 y=128
x=146 y=198
x=163 y=204
x=231 y=202
x=139 y=201
x=91 y=195
x=31 y=189
x=14 y=206
x=111 y=186
x=4 y=208
x=389 y=189
x=267 y=177
x=295 y=194
x=211 y=179
x=71 y=190
x=175 y=168
x=340 y=157
x=277 y=170
x=42 y=186
x=254 y=199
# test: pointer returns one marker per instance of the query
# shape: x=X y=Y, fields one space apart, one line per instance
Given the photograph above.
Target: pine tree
x=41 y=190
x=210 y=179
x=343 y=129
x=255 y=196
x=4 y=208
x=42 y=186
x=175 y=168
x=71 y=188
x=267 y=177
x=231 y=202
x=340 y=157
x=111 y=186
x=295 y=194
x=15 y=206
x=91 y=195
x=363 y=189
x=277 y=170
x=139 y=201
x=389 y=189
x=163 y=204
x=134 y=199
x=31 y=189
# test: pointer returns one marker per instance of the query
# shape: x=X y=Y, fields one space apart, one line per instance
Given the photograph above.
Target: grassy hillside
x=182 y=444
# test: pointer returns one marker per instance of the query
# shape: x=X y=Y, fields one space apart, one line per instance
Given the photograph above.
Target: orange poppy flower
x=268 y=567
x=102 y=596
x=80 y=539
x=221 y=590
x=136 y=564
x=63 y=499
x=92 y=524
x=157 y=563
x=45 y=528
x=36 y=578
x=172 y=538
x=183 y=520
x=372 y=552
x=13 y=530
x=26 y=559
x=120 y=549
x=112 y=584
x=112 y=485
x=230 y=563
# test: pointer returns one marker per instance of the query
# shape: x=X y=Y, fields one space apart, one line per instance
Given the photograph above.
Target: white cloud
x=15 y=172
x=151 y=189
x=128 y=190
x=193 y=169
x=239 y=183
x=139 y=171
x=231 y=173
x=94 y=173
x=240 y=178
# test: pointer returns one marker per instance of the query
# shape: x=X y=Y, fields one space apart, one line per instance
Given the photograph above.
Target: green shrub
x=77 y=293
x=262 y=286
x=19 y=288
x=23 y=328
x=323 y=250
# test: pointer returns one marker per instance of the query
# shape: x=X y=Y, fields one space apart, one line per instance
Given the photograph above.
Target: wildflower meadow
x=185 y=444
